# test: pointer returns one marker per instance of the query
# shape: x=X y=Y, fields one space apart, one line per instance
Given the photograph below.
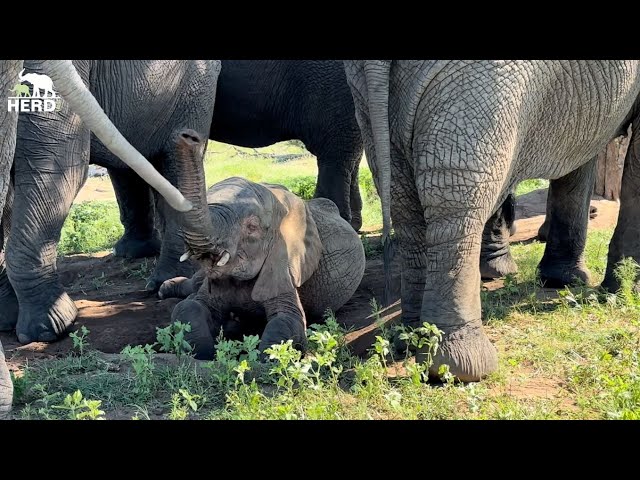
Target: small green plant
x=79 y=340
x=79 y=408
x=143 y=270
x=381 y=349
x=141 y=359
x=288 y=369
x=171 y=338
x=182 y=402
x=101 y=282
x=233 y=359
x=426 y=340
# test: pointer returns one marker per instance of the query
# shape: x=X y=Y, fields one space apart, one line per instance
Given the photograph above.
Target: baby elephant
x=265 y=256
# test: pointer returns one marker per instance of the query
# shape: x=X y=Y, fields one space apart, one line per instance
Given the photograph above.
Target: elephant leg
x=8 y=299
x=543 y=231
x=410 y=226
x=181 y=287
x=495 y=257
x=206 y=312
x=568 y=216
x=356 y=199
x=626 y=236
x=6 y=386
x=334 y=183
x=448 y=254
x=168 y=265
x=204 y=329
x=135 y=201
x=51 y=164
x=285 y=321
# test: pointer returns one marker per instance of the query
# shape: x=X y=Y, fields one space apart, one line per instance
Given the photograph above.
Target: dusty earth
x=113 y=304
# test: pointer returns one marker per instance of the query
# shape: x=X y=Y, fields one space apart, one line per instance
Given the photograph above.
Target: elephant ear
x=296 y=249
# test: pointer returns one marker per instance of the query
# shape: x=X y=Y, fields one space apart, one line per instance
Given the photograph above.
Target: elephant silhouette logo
x=40 y=98
x=39 y=82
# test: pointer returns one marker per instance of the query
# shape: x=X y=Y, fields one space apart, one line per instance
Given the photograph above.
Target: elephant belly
x=535 y=119
x=341 y=266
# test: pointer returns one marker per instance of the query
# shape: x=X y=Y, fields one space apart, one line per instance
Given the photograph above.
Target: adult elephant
x=147 y=100
x=447 y=141
x=80 y=100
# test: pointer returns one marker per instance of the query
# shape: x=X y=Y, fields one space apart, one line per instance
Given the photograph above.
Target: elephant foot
x=166 y=271
x=131 y=247
x=593 y=212
x=172 y=288
x=282 y=328
x=559 y=275
x=6 y=386
x=8 y=307
x=200 y=337
x=467 y=351
x=497 y=267
x=46 y=321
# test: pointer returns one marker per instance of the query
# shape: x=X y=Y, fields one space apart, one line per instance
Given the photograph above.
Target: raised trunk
x=377 y=78
x=196 y=224
x=73 y=90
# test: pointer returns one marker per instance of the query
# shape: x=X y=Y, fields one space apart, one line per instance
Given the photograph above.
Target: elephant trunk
x=197 y=227
x=20 y=76
x=73 y=90
x=377 y=78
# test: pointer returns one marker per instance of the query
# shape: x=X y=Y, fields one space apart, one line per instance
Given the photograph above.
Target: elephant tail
x=377 y=78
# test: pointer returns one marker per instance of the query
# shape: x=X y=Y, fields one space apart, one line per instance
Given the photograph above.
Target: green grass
x=530 y=185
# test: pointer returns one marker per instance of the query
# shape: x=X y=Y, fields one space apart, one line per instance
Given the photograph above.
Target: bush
x=367 y=186
x=304 y=187
x=90 y=227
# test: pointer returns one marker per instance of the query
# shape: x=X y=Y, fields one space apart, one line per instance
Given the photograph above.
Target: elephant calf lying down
x=265 y=256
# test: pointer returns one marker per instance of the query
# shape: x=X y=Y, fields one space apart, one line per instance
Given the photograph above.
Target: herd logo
x=25 y=101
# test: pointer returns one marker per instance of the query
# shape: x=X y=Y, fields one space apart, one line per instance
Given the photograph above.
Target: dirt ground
x=113 y=304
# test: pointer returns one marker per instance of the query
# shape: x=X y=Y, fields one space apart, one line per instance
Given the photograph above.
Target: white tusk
x=185 y=256
x=223 y=261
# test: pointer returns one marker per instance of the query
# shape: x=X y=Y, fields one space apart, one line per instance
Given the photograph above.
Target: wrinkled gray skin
x=266 y=257
x=147 y=100
x=9 y=70
x=447 y=141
